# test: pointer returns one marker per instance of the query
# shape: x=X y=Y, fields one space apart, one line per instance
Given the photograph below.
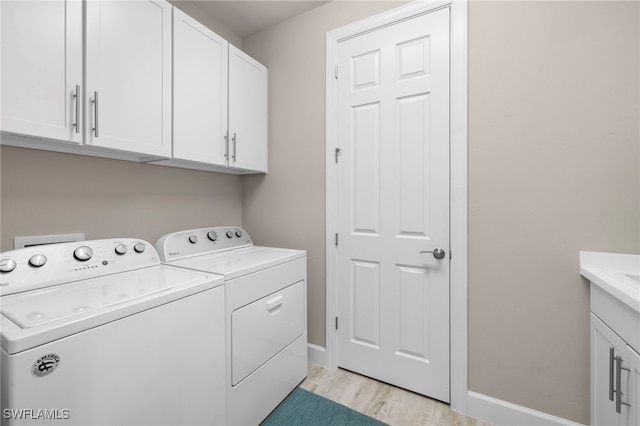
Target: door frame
x=458 y=181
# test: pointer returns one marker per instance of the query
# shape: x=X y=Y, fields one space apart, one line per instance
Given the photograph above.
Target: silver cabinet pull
x=234 y=147
x=619 y=392
x=95 y=114
x=437 y=253
x=226 y=146
x=611 y=364
x=76 y=106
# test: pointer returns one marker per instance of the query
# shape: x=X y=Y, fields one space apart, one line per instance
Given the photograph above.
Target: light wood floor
x=381 y=401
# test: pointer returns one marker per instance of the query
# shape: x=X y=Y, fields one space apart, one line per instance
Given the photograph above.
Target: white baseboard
x=317 y=354
x=505 y=413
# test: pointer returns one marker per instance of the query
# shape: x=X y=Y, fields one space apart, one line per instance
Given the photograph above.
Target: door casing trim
x=458 y=181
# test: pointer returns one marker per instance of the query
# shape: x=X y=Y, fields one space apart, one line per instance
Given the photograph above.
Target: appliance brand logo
x=174 y=253
x=45 y=365
x=4 y=283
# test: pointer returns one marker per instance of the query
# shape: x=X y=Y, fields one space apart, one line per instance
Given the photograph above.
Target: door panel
x=393 y=203
x=129 y=65
x=200 y=60
x=248 y=127
x=41 y=67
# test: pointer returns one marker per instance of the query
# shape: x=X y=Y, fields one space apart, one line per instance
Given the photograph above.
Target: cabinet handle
x=226 y=146
x=619 y=392
x=234 y=147
x=76 y=106
x=95 y=114
x=611 y=364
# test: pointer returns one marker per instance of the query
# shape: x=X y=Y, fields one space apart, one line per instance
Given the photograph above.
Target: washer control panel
x=43 y=266
x=194 y=242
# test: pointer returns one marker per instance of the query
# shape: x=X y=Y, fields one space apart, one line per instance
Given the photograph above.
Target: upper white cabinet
x=248 y=130
x=219 y=103
x=130 y=79
x=42 y=69
x=128 y=76
x=199 y=92
x=122 y=100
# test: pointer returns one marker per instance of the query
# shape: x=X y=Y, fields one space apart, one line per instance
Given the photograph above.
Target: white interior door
x=393 y=203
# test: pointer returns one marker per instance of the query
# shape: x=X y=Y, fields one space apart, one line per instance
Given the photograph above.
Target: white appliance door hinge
x=337 y=153
x=336 y=323
x=336 y=72
x=336 y=239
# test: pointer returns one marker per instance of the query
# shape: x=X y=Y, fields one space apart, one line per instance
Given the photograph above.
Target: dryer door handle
x=274 y=303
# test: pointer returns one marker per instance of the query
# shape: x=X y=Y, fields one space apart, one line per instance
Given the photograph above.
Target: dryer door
x=265 y=327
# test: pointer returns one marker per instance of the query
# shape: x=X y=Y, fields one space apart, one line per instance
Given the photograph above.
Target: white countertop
x=617 y=274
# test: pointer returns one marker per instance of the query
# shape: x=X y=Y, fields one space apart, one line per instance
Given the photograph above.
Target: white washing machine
x=266 y=320
x=101 y=333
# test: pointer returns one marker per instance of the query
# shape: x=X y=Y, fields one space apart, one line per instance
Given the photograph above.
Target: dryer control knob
x=193 y=239
x=212 y=235
x=238 y=233
x=7 y=265
x=139 y=247
x=83 y=253
x=121 y=249
x=229 y=234
x=37 y=260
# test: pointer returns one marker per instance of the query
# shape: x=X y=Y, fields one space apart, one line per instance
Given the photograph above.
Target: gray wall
x=553 y=169
x=51 y=193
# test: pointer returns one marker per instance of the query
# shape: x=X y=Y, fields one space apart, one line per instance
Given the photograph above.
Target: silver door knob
x=437 y=253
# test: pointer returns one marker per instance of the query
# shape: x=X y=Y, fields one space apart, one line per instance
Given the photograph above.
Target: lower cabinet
x=615 y=377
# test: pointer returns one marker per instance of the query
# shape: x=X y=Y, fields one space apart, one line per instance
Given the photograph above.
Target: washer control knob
x=212 y=235
x=7 y=265
x=121 y=249
x=139 y=247
x=83 y=253
x=229 y=234
x=238 y=233
x=37 y=260
x=193 y=239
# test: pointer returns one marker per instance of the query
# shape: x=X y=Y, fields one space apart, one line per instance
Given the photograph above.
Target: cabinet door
x=128 y=74
x=41 y=67
x=606 y=346
x=199 y=92
x=633 y=363
x=247 y=112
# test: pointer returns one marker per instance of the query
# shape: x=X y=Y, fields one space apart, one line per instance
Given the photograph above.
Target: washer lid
x=40 y=316
x=235 y=263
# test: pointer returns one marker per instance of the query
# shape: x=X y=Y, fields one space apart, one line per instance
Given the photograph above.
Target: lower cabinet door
x=611 y=378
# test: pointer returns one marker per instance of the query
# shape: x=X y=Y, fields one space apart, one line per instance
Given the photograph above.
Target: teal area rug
x=302 y=408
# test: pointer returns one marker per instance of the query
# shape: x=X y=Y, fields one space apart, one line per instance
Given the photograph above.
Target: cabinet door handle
x=234 y=147
x=611 y=364
x=226 y=146
x=619 y=392
x=76 y=105
x=95 y=114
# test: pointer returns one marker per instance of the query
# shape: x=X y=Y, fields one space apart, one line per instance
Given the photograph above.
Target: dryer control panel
x=47 y=265
x=195 y=242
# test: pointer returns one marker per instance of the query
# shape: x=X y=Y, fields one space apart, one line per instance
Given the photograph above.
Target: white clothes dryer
x=101 y=333
x=266 y=319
